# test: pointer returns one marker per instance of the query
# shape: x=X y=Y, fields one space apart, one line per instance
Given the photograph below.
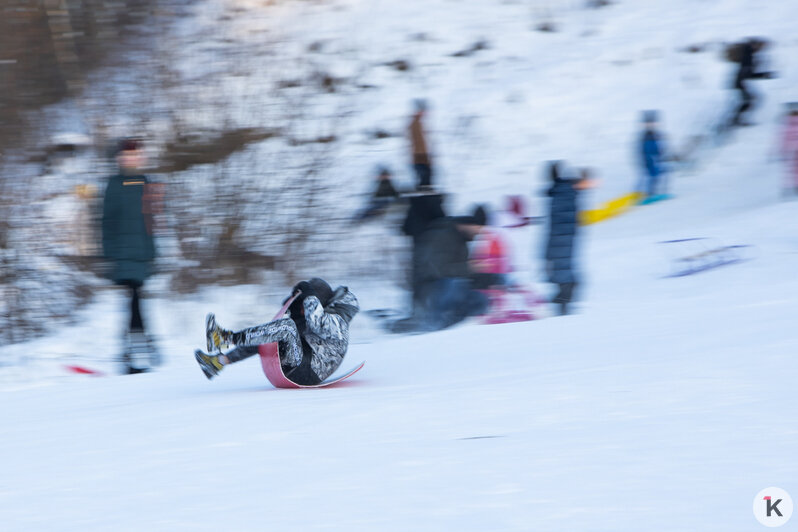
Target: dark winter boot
x=209 y=364
x=216 y=338
x=564 y=297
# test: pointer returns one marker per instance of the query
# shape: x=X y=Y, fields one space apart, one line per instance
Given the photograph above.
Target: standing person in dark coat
x=128 y=245
x=563 y=227
x=422 y=160
x=747 y=56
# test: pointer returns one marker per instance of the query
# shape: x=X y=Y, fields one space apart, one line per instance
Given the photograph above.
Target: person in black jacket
x=426 y=206
x=563 y=228
x=312 y=339
x=445 y=279
x=127 y=240
x=747 y=56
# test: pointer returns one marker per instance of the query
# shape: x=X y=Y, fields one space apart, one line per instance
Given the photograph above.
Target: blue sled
x=655 y=198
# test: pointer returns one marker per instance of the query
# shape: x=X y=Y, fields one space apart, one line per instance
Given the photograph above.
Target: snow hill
x=663 y=404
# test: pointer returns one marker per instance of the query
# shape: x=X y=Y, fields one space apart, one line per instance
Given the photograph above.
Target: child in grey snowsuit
x=312 y=340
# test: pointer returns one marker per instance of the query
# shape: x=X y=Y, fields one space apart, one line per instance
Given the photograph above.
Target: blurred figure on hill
x=563 y=228
x=494 y=270
x=746 y=55
x=422 y=160
x=446 y=288
x=652 y=150
x=426 y=206
x=788 y=150
x=383 y=196
x=128 y=245
x=516 y=214
x=491 y=252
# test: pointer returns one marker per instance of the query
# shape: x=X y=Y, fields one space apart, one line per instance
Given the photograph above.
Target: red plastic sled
x=83 y=370
x=501 y=305
x=270 y=361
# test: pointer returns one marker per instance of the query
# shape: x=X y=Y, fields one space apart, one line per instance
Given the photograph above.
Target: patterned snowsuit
x=312 y=355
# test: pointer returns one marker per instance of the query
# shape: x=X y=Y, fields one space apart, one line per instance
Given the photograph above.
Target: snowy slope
x=664 y=404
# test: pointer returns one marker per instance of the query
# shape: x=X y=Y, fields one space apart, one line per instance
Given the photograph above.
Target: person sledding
x=312 y=339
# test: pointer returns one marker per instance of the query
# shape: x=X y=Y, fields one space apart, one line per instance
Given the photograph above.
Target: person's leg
x=136 y=323
x=745 y=103
x=417 y=295
x=138 y=354
x=240 y=353
x=477 y=303
x=282 y=330
x=456 y=301
x=652 y=184
x=423 y=174
x=442 y=303
x=564 y=297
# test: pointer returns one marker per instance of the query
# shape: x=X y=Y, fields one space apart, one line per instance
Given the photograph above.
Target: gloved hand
x=302 y=290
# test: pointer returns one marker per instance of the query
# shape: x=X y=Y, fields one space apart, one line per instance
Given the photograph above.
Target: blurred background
x=264 y=123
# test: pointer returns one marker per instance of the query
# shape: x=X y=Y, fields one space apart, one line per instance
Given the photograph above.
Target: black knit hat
x=314 y=287
x=478 y=217
x=320 y=289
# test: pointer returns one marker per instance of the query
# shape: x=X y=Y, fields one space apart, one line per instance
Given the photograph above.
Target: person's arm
x=323 y=324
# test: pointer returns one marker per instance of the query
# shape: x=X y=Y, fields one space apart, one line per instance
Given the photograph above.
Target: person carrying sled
x=312 y=339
